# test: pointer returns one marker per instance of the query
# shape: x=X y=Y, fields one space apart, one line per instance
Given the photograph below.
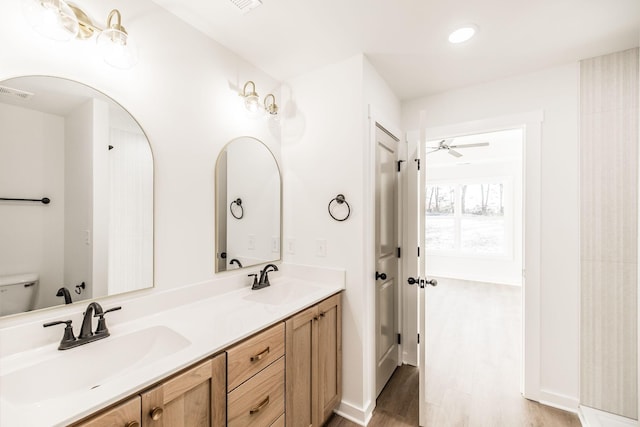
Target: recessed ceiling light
x=462 y=34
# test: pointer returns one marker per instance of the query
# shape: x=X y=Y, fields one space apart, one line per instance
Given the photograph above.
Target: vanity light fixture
x=463 y=34
x=270 y=107
x=58 y=20
x=251 y=99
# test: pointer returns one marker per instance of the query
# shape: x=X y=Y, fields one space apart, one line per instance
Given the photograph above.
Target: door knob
x=381 y=276
x=432 y=282
x=412 y=280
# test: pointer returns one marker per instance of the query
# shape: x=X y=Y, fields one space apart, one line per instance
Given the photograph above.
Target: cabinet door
x=194 y=398
x=329 y=352
x=126 y=414
x=301 y=369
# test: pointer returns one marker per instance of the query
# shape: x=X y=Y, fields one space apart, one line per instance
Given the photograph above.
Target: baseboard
x=560 y=401
x=355 y=414
x=595 y=418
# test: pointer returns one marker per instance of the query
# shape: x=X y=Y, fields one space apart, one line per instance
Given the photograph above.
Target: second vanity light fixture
x=252 y=100
x=62 y=21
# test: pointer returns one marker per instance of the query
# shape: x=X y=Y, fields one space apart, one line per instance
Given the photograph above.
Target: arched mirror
x=248 y=205
x=76 y=195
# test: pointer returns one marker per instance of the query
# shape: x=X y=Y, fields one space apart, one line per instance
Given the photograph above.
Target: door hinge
x=418 y=338
x=418 y=251
x=399 y=164
x=399 y=253
x=399 y=339
x=418 y=163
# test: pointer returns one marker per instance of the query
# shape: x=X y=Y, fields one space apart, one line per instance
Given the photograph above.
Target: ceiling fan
x=444 y=145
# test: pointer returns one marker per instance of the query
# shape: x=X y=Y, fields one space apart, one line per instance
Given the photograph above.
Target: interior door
x=386 y=245
x=418 y=283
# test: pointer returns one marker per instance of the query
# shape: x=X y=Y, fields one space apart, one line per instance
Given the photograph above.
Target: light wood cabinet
x=314 y=363
x=194 y=398
x=287 y=374
x=125 y=414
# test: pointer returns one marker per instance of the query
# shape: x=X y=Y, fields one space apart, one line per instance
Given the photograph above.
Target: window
x=467 y=218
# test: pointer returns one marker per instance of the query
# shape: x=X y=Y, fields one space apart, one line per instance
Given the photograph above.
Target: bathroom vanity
x=245 y=385
x=239 y=358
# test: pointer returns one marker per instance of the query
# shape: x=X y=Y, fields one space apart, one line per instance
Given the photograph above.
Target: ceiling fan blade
x=429 y=152
x=454 y=153
x=479 y=144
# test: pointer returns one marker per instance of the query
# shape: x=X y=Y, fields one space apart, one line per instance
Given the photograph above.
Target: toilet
x=18 y=293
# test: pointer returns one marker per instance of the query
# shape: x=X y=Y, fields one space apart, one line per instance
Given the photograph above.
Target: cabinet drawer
x=260 y=401
x=246 y=359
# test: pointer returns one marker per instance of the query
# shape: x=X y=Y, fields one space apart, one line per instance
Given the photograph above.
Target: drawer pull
x=260 y=355
x=133 y=424
x=156 y=414
x=261 y=406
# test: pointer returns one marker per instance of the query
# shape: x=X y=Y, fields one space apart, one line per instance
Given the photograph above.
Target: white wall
x=555 y=91
x=32 y=166
x=183 y=92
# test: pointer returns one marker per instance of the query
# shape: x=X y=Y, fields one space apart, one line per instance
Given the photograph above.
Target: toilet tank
x=18 y=293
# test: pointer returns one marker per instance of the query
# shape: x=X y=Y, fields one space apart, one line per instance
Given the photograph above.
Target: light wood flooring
x=473 y=345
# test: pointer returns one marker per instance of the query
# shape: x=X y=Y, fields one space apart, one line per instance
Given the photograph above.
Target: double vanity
x=215 y=353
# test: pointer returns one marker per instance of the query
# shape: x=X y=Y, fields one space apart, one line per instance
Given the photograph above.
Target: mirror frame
x=217 y=207
x=101 y=298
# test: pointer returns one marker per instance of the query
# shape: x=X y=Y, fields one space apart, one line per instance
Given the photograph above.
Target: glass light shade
x=51 y=18
x=252 y=103
x=461 y=35
x=117 y=48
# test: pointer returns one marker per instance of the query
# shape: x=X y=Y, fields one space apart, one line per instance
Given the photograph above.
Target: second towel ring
x=339 y=199
x=237 y=202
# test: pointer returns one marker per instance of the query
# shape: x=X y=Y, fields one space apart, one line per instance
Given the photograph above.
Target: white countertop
x=208 y=325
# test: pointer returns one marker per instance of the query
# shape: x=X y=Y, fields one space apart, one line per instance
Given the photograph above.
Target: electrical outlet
x=252 y=241
x=87 y=237
x=291 y=246
x=321 y=248
x=275 y=244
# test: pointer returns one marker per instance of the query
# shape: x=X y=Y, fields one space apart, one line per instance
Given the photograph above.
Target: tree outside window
x=466 y=218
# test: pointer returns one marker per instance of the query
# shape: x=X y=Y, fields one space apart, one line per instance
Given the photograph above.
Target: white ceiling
x=406 y=40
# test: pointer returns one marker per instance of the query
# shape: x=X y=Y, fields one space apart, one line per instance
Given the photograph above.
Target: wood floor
x=473 y=345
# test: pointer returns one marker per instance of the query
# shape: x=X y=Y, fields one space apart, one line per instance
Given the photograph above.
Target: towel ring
x=237 y=202
x=339 y=199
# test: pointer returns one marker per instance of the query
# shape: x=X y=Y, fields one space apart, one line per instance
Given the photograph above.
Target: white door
x=418 y=281
x=386 y=205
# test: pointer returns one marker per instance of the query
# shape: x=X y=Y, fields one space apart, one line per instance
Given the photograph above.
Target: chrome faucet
x=86 y=335
x=263 y=282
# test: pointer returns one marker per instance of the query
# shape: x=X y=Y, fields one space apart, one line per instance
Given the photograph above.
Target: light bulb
x=117 y=48
x=252 y=103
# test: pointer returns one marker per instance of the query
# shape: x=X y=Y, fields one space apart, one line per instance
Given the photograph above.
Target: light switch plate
x=275 y=244
x=252 y=241
x=291 y=246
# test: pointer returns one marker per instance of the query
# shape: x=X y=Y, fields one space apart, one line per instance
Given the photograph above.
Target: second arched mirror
x=248 y=205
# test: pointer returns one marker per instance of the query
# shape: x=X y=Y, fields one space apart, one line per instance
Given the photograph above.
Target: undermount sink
x=87 y=367
x=280 y=294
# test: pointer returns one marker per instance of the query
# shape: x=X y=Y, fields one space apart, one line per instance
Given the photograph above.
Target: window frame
x=507 y=252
